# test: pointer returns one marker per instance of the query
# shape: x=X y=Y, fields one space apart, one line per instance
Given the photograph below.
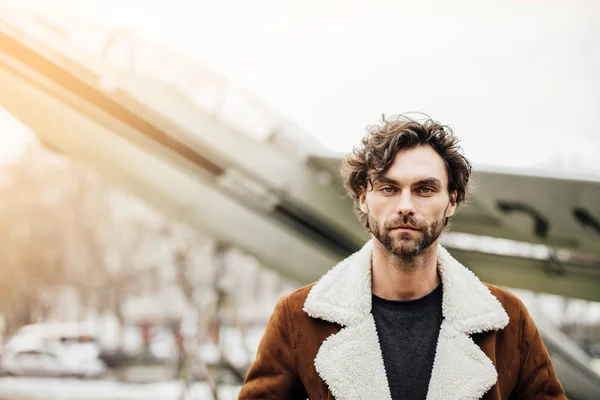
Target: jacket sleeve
x=273 y=375
x=537 y=379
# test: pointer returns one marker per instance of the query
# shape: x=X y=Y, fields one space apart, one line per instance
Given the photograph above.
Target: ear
x=453 y=205
x=362 y=200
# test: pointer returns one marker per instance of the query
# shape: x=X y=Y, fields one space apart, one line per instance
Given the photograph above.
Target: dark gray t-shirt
x=408 y=332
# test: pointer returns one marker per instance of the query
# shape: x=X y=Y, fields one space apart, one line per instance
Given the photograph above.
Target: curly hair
x=378 y=149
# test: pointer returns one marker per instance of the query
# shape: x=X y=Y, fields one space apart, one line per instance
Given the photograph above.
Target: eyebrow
x=428 y=181
x=422 y=182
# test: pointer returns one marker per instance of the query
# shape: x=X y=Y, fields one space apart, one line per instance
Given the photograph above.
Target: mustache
x=404 y=220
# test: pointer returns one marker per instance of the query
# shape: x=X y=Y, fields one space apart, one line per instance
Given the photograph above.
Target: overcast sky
x=518 y=80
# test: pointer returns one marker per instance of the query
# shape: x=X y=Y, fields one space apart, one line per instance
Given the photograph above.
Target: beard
x=407 y=245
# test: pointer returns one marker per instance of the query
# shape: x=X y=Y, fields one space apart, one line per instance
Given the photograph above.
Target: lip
x=405 y=228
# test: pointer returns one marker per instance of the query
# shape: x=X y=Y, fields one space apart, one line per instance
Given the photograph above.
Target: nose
x=405 y=204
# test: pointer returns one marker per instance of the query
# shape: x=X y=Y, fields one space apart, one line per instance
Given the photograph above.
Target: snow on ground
x=73 y=389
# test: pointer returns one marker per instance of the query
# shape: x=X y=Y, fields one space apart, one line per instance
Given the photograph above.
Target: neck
x=394 y=278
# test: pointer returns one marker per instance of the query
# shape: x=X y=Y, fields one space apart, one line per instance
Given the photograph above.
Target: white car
x=39 y=362
x=39 y=350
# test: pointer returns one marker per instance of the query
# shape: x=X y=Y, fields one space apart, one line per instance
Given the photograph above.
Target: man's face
x=408 y=205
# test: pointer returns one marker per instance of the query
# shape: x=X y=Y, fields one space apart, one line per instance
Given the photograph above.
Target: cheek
x=433 y=210
x=378 y=206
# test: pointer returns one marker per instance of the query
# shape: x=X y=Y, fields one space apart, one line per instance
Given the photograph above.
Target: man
x=401 y=318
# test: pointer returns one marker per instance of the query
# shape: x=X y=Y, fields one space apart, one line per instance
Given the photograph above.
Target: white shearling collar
x=343 y=295
x=350 y=361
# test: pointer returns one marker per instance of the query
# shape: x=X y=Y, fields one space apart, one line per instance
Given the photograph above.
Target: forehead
x=418 y=163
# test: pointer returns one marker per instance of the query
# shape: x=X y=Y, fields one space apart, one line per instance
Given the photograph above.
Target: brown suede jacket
x=321 y=342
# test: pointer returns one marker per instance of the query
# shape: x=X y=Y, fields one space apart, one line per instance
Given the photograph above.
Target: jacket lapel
x=350 y=361
x=461 y=370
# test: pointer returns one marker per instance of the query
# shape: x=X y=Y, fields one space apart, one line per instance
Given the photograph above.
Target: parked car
x=36 y=362
x=52 y=350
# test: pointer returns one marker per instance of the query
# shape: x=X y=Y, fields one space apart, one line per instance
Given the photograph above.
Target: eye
x=388 y=190
x=426 y=190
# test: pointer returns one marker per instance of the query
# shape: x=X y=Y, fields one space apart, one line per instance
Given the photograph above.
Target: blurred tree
x=31 y=250
x=62 y=228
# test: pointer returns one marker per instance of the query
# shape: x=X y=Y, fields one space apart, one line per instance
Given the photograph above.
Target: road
x=21 y=388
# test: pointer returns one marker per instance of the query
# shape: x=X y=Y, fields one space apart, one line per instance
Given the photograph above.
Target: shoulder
x=513 y=306
x=293 y=304
x=294 y=301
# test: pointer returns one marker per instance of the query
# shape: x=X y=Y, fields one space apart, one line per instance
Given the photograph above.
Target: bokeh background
x=168 y=171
